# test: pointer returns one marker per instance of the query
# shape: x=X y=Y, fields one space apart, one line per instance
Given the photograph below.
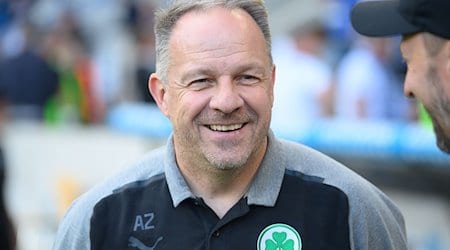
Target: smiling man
x=224 y=181
x=425 y=47
x=218 y=96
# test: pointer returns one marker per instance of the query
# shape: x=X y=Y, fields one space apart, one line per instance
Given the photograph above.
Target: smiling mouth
x=225 y=128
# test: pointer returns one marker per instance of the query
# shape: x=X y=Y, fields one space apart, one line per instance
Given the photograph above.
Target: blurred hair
x=167 y=18
x=433 y=43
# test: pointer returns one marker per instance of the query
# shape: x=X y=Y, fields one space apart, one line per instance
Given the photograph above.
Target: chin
x=219 y=162
x=442 y=139
x=443 y=143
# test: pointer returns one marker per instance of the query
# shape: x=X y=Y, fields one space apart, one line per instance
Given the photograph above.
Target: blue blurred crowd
x=73 y=61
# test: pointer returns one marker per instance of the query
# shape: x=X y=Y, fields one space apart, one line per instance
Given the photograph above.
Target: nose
x=226 y=97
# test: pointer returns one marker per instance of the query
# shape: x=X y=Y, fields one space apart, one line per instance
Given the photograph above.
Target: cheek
x=416 y=80
x=444 y=81
x=186 y=105
x=259 y=100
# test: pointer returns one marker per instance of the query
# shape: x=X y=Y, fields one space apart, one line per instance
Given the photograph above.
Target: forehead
x=217 y=35
x=215 y=26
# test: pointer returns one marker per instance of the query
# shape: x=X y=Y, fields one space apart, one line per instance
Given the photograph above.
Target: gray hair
x=167 y=18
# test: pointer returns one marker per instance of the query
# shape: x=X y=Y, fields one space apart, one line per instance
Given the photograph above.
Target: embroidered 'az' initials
x=144 y=222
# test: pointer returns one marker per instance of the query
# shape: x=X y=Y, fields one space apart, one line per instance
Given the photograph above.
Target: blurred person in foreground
x=7 y=230
x=425 y=47
x=224 y=181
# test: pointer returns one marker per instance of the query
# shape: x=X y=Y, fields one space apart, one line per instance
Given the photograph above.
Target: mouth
x=225 y=128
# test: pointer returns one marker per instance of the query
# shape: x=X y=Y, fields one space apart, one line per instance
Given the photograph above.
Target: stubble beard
x=439 y=111
x=212 y=157
x=215 y=160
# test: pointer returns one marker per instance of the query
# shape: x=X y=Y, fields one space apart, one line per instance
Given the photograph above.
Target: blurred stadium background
x=79 y=110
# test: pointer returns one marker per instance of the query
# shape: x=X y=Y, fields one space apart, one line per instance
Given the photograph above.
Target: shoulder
x=311 y=162
x=73 y=231
x=303 y=158
x=373 y=216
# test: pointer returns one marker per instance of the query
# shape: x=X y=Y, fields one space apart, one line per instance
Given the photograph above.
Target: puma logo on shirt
x=133 y=242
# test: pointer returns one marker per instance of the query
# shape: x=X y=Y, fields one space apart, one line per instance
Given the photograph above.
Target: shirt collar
x=266 y=185
x=178 y=188
x=263 y=190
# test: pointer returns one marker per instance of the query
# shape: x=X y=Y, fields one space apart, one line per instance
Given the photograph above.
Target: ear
x=272 y=82
x=158 y=91
x=447 y=56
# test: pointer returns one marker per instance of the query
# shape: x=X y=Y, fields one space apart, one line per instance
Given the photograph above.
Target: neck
x=220 y=189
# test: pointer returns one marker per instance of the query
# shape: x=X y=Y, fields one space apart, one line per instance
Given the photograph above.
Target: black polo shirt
x=298 y=199
x=142 y=216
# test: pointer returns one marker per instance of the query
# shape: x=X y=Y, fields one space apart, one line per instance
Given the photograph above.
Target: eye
x=200 y=83
x=248 y=79
x=403 y=67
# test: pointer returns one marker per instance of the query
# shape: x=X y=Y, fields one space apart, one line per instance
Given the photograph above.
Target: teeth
x=224 y=128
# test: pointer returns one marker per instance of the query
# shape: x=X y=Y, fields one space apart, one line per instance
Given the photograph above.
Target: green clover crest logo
x=279 y=236
x=279 y=242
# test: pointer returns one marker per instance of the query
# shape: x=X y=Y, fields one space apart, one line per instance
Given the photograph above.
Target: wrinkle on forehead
x=224 y=50
x=217 y=59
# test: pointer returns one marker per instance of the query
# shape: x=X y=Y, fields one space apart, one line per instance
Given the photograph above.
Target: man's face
x=428 y=79
x=219 y=93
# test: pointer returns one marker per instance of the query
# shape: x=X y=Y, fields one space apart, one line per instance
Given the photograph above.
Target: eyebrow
x=196 y=72
x=208 y=70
